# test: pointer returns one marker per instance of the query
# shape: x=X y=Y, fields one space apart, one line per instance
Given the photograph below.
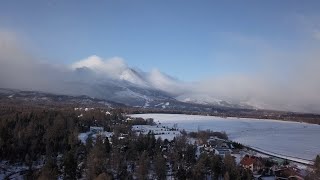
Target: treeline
x=238 y=113
x=46 y=140
x=205 y=135
x=144 y=157
x=31 y=134
x=36 y=131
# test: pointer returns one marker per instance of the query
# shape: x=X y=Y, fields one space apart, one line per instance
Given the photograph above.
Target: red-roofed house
x=251 y=162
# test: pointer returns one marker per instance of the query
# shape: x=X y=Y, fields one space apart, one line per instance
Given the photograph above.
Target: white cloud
x=112 y=67
x=164 y=82
x=22 y=70
x=316 y=34
x=310 y=24
x=290 y=80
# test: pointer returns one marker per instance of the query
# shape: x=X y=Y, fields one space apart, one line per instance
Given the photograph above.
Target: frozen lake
x=287 y=138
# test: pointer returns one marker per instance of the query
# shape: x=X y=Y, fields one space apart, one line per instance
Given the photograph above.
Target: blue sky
x=189 y=40
x=262 y=53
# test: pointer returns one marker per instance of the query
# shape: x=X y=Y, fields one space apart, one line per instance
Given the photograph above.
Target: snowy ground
x=17 y=170
x=285 y=138
x=159 y=131
x=84 y=136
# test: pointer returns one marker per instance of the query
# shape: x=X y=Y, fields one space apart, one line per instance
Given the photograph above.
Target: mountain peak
x=133 y=77
x=112 y=67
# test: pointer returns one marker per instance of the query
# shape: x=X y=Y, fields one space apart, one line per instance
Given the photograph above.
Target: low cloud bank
x=295 y=89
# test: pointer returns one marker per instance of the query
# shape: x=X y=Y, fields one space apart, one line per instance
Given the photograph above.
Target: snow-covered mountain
x=114 y=80
x=206 y=99
x=109 y=79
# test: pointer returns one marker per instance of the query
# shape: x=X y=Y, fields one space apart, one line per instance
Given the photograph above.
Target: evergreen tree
x=70 y=165
x=181 y=174
x=97 y=159
x=143 y=166
x=315 y=174
x=226 y=176
x=160 y=167
x=49 y=171
x=103 y=176
x=216 y=166
x=199 y=170
x=231 y=168
x=317 y=165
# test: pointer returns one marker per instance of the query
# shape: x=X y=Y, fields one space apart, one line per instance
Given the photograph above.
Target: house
x=215 y=141
x=288 y=173
x=222 y=151
x=221 y=148
x=95 y=129
x=251 y=162
x=207 y=148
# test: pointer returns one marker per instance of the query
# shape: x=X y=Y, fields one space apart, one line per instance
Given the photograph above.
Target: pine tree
x=160 y=167
x=97 y=159
x=216 y=165
x=49 y=171
x=143 y=166
x=231 y=168
x=70 y=165
x=226 y=176
x=317 y=165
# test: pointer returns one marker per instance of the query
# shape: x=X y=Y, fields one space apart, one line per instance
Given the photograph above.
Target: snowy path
x=290 y=158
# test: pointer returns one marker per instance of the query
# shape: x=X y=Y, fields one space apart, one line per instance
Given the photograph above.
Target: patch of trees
x=29 y=134
x=235 y=112
x=237 y=145
x=315 y=173
x=141 y=121
x=205 y=135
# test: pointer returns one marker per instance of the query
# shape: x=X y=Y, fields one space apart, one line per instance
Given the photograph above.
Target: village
x=111 y=144
x=260 y=165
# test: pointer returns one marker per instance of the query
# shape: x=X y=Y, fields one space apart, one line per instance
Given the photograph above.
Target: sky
x=186 y=39
x=261 y=48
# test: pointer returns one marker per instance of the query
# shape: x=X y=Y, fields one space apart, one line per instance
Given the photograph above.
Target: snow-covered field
x=159 y=131
x=286 y=138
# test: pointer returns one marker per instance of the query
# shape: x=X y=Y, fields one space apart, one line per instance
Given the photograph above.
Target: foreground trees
x=160 y=166
x=49 y=171
x=317 y=165
x=50 y=137
x=315 y=174
x=143 y=166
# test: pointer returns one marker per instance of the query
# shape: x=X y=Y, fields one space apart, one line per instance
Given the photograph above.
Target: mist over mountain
x=114 y=80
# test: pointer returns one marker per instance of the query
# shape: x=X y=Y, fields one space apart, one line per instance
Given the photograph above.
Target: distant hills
x=159 y=104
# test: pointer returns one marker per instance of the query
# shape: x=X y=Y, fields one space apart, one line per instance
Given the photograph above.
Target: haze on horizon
x=265 y=54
